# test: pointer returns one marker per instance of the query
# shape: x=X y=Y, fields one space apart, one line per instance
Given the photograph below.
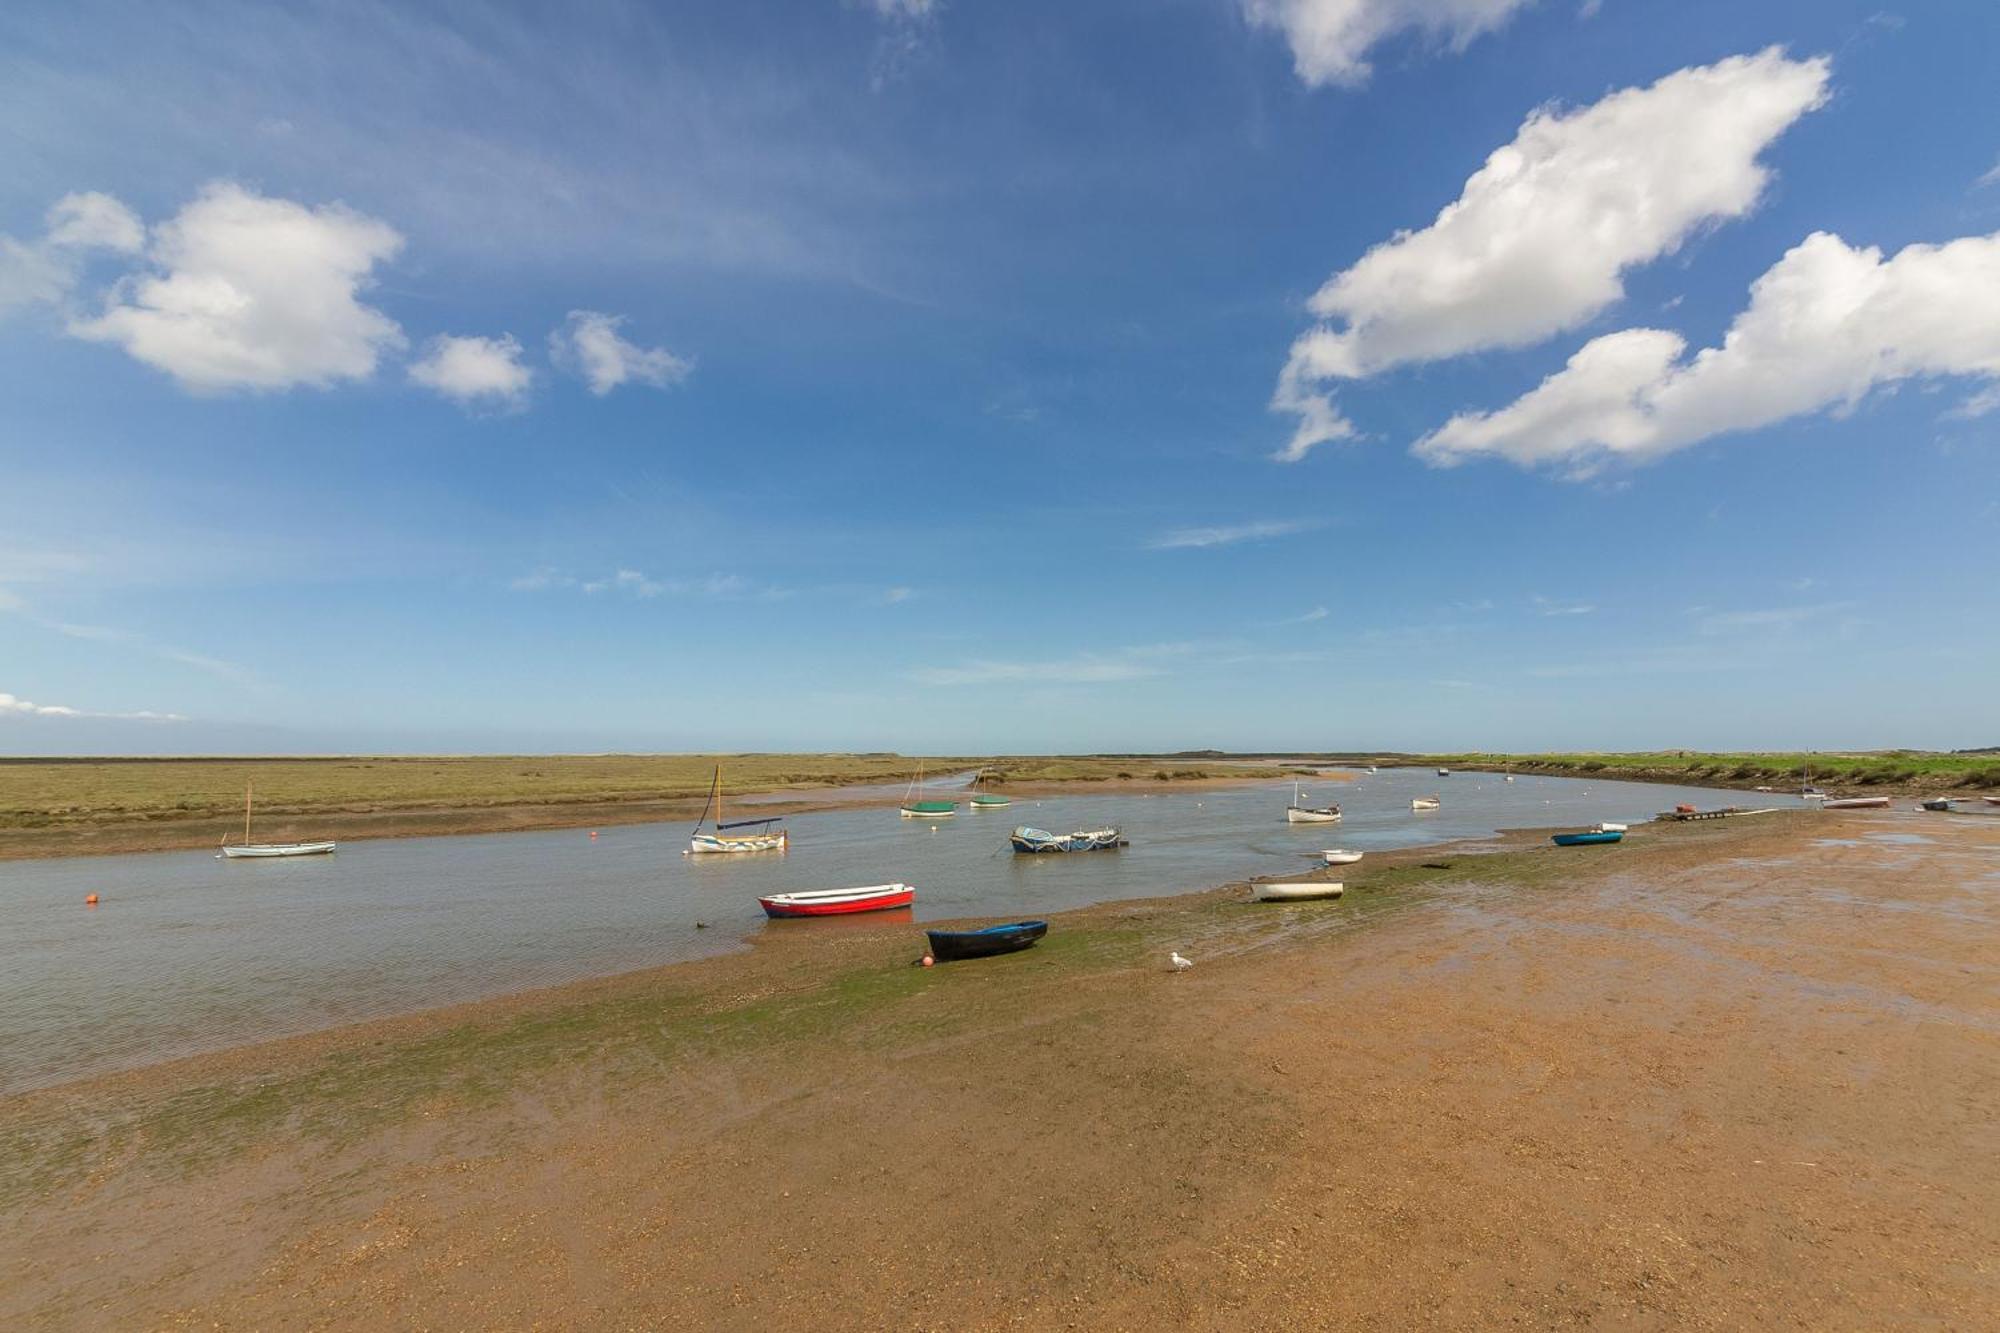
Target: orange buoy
x=90 y=900
x=593 y=833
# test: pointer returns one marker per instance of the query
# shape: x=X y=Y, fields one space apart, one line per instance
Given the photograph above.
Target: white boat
x=1298 y=812
x=1608 y=827
x=1861 y=803
x=1425 y=803
x=1990 y=800
x=764 y=840
x=1371 y=768
x=1444 y=772
x=1300 y=892
x=1334 y=856
x=247 y=848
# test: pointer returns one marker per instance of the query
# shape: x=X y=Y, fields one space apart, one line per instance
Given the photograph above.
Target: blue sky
x=979 y=377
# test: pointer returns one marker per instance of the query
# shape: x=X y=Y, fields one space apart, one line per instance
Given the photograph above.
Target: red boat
x=836 y=902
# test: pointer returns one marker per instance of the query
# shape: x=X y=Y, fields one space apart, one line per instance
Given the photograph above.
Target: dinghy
x=764 y=840
x=1334 y=856
x=839 y=902
x=1937 y=803
x=1444 y=772
x=986 y=800
x=247 y=848
x=1990 y=800
x=1864 y=803
x=1610 y=828
x=1425 y=803
x=1298 y=812
x=1300 y=892
x=1586 y=839
x=1028 y=840
x=915 y=807
x=952 y=945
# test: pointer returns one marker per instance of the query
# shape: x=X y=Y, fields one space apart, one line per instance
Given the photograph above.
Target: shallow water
x=188 y=953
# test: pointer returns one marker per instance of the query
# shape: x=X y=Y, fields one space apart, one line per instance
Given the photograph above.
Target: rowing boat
x=1025 y=839
x=1862 y=803
x=1300 y=891
x=1334 y=856
x=838 y=902
x=1425 y=803
x=1586 y=839
x=952 y=945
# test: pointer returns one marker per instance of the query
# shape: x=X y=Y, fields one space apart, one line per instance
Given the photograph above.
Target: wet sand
x=1736 y=1074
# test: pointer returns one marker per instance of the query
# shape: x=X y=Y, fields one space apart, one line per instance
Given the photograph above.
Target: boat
x=1371 y=768
x=915 y=807
x=1863 y=803
x=1027 y=839
x=1812 y=794
x=1300 y=813
x=952 y=945
x=764 y=840
x=1425 y=803
x=1990 y=800
x=986 y=800
x=1444 y=772
x=1300 y=891
x=1334 y=856
x=247 y=848
x=838 y=902
x=1586 y=839
x=1608 y=827
x=1937 y=803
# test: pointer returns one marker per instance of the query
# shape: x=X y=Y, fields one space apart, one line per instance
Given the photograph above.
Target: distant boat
x=762 y=841
x=1509 y=777
x=1608 y=827
x=838 y=902
x=986 y=800
x=247 y=848
x=1586 y=839
x=1425 y=803
x=951 y=945
x=1300 y=813
x=1334 y=856
x=1030 y=840
x=1938 y=803
x=915 y=807
x=1444 y=772
x=1864 y=803
x=1299 y=892
x=1990 y=800
x=1371 y=768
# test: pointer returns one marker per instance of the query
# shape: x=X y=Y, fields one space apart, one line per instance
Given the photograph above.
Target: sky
x=979 y=377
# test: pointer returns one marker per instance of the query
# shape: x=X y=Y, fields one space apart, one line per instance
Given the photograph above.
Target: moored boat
x=1298 y=812
x=1937 y=803
x=764 y=840
x=1425 y=803
x=839 y=902
x=1860 y=803
x=914 y=805
x=1586 y=839
x=1608 y=827
x=1335 y=856
x=1025 y=839
x=953 y=945
x=257 y=850
x=988 y=801
x=1444 y=772
x=1298 y=891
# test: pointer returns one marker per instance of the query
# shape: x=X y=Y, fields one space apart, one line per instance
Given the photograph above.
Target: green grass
x=1918 y=769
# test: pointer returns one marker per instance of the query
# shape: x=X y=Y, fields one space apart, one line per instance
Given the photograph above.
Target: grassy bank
x=1895 y=770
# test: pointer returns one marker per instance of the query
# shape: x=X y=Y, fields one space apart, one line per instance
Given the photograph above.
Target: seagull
x=1180 y=964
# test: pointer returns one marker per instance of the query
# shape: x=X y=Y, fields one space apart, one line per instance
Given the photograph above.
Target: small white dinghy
x=1334 y=856
x=1611 y=828
x=1425 y=803
x=1303 y=891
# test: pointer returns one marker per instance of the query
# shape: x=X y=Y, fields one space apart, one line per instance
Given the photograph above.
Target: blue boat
x=1031 y=840
x=950 y=945
x=1586 y=839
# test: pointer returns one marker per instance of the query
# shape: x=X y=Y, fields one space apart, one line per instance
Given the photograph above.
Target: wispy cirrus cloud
x=1776 y=618
x=1082 y=670
x=1550 y=607
x=1229 y=534
x=638 y=584
x=13 y=604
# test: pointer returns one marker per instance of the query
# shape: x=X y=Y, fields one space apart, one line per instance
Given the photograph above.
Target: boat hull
x=948 y=946
x=1586 y=839
x=1863 y=803
x=263 y=851
x=990 y=803
x=1334 y=857
x=839 y=902
x=1300 y=815
x=1299 y=893
x=1421 y=804
x=706 y=844
x=928 y=810
x=1032 y=841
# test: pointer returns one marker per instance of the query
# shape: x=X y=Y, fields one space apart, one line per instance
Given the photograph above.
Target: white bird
x=1180 y=964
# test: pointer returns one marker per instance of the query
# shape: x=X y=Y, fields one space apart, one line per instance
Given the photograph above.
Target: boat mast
x=246 y=814
x=714 y=796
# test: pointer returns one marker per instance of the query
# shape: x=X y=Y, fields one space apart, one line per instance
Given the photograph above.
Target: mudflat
x=1737 y=1074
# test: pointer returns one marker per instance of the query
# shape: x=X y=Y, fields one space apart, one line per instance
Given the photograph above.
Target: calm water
x=189 y=953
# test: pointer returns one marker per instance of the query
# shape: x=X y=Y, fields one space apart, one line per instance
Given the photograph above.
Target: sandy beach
x=1724 y=1075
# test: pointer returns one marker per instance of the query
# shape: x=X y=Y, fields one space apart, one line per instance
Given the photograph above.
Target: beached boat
x=1334 y=856
x=1990 y=800
x=1298 y=812
x=1608 y=827
x=914 y=805
x=1299 y=892
x=1025 y=839
x=247 y=848
x=1586 y=839
x=1425 y=803
x=764 y=840
x=839 y=902
x=1937 y=803
x=1861 y=803
x=952 y=945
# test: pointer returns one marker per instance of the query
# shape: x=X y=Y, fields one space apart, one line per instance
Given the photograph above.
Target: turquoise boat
x=1586 y=839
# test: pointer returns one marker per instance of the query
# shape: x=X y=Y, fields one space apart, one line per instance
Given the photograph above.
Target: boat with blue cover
x=952 y=945
x=1590 y=839
x=1029 y=840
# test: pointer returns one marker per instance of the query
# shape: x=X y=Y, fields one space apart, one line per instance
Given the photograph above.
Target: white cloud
x=1548 y=607
x=636 y=583
x=95 y=221
x=589 y=342
x=1330 y=39
x=473 y=370
x=1084 y=670
x=43 y=272
x=255 y=293
x=11 y=706
x=1780 y=618
x=1825 y=325
x=1538 y=240
x=1991 y=177
x=1230 y=534
x=905 y=9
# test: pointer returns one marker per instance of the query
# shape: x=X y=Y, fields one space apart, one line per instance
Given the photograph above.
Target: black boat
x=950 y=945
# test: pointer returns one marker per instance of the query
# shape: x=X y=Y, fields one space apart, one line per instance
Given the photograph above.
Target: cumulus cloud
x=1539 y=238
x=12 y=706
x=1231 y=533
x=1826 y=325
x=1330 y=39
x=473 y=370
x=249 y=292
x=43 y=271
x=589 y=343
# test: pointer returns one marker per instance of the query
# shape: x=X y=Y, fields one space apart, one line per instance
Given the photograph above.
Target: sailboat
x=1298 y=812
x=1808 y=792
x=987 y=800
x=249 y=848
x=764 y=840
x=915 y=807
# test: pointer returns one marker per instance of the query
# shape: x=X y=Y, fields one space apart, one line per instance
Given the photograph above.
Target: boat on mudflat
x=1300 y=891
x=1025 y=839
x=1860 y=803
x=1990 y=800
x=1586 y=839
x=839 y=902
x=952 y=945
x=1335 y=856
x=1937 y=803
